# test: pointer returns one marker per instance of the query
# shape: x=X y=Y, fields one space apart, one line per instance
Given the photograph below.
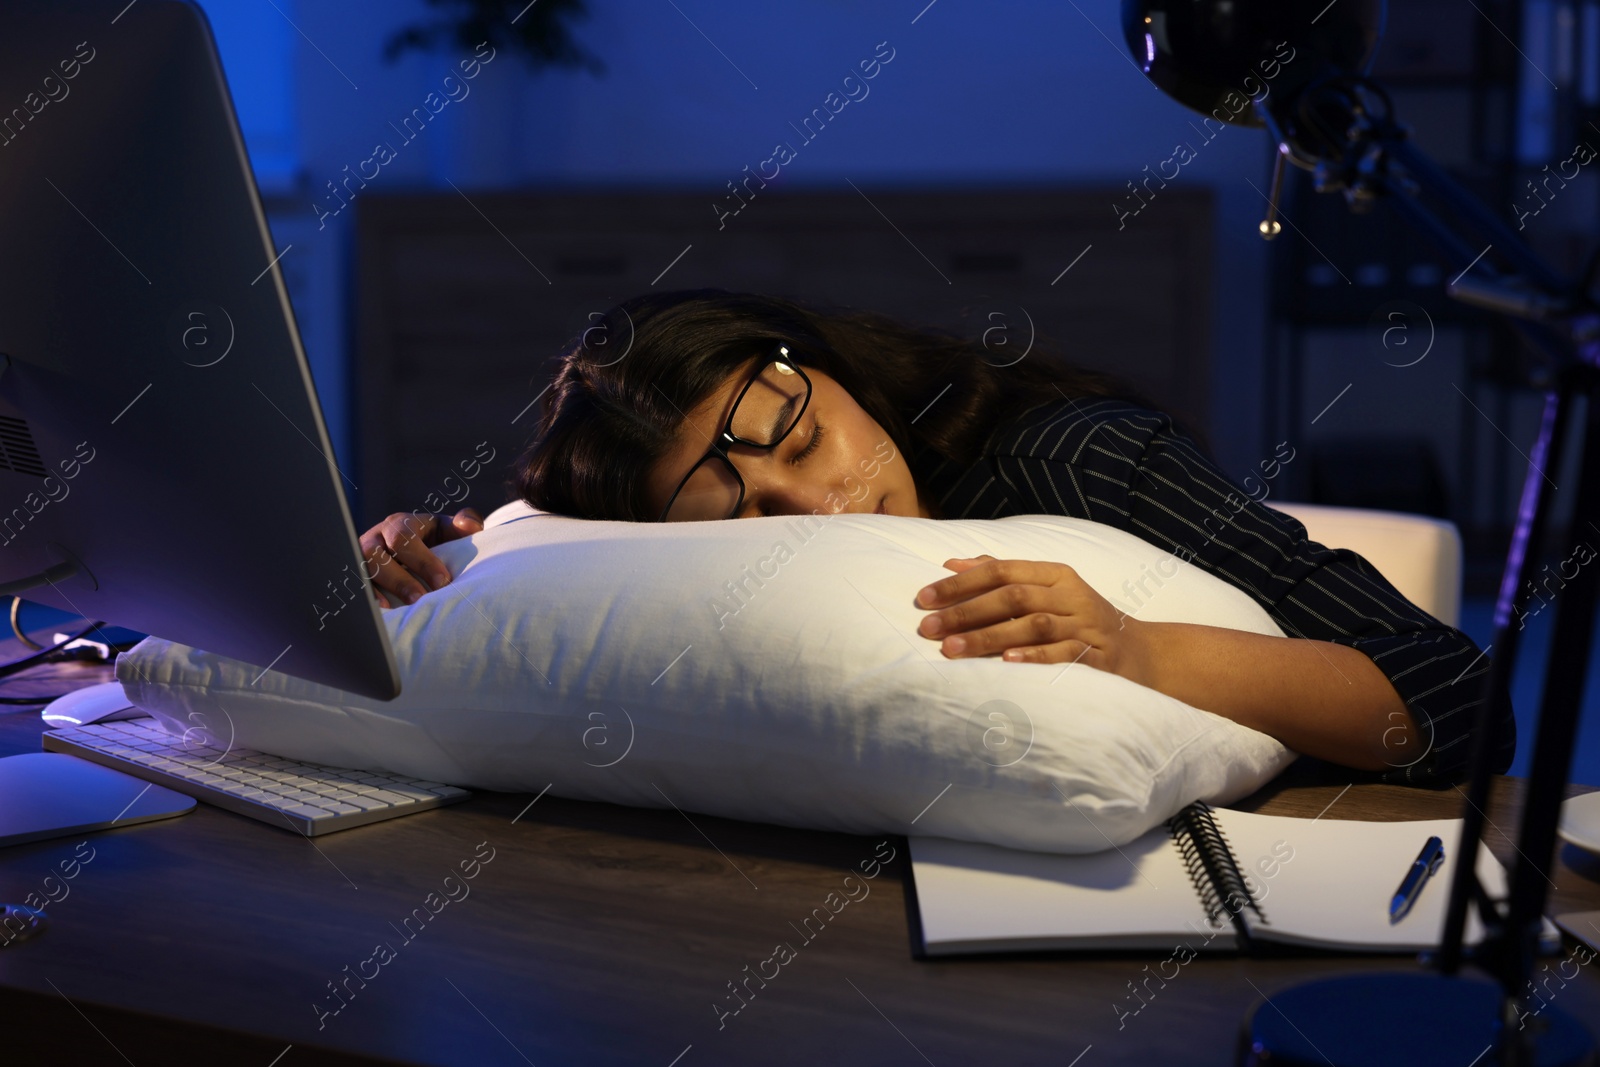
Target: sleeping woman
x=706 y=405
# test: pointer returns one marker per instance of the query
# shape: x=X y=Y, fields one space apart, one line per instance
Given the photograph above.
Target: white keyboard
x=307 y=797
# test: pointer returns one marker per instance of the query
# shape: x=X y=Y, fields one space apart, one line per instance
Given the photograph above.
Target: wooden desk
x=595 y=935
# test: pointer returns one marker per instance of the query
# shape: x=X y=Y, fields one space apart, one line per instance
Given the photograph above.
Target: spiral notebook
x=1209 y=877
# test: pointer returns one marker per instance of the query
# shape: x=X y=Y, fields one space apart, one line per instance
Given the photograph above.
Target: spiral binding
x=1212 y=866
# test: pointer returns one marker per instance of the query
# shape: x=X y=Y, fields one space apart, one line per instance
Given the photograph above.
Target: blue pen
x=1427 y=861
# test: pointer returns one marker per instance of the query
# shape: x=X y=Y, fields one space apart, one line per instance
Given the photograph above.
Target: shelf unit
x=1402 y=397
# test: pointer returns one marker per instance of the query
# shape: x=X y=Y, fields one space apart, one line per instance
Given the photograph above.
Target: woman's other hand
x=398 y=557
x=1033 y=612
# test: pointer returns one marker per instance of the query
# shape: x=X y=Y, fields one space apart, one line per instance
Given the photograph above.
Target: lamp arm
x=1504 y=239
x=1553 y=345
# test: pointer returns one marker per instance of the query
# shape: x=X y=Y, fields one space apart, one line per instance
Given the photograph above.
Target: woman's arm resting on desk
x=1319 y=698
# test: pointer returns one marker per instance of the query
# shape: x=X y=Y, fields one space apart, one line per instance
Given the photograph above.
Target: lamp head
x=1224 y=57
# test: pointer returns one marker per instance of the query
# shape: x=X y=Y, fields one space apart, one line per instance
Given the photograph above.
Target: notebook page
x=979 y=898
x=1329 y=881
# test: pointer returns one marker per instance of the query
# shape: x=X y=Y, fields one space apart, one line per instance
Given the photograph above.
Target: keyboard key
x=340 y=809
x=307 y=812
x=411 y=792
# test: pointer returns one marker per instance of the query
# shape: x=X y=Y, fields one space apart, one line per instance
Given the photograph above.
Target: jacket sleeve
x=1126 y=466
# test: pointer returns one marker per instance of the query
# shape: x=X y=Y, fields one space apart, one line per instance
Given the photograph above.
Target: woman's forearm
x=1318 y=698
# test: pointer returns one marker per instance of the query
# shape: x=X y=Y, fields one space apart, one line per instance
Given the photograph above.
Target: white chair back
x=1418 y=555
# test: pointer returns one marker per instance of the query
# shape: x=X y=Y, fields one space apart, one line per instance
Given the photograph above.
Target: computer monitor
x=164 y=464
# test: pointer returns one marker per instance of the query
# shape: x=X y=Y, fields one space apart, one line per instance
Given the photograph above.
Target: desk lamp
x=1303 y=66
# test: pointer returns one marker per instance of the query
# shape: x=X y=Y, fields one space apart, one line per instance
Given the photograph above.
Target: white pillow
x=613 y=661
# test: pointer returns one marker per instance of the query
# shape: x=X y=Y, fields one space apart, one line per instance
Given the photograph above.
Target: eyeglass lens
x=764 y=415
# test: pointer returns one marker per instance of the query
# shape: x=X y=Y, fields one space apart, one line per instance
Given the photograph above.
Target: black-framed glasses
x=766 y=410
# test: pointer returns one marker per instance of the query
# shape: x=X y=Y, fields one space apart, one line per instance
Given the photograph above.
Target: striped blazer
x=1124 y=465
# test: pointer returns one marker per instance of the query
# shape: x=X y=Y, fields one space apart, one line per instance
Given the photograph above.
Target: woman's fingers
x=995 y=606
x=1039 y=637
x=403 y=584
x=965 y=563
x=1068 y=652
x=1034 y=612
x=1068 y=597
x=1006 y=622
x=992 y=606
x=398 y=561
x=397 y=527
x=464 y=523
x=991 y=573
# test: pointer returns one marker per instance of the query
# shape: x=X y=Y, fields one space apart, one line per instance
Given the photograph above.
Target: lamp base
x=1375 y=1020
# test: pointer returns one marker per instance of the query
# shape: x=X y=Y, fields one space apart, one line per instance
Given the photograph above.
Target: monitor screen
x=161 y=443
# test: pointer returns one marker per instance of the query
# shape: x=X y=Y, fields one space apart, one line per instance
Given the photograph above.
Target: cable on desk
x=16 y=625
x=48 y=654
x=52 y=654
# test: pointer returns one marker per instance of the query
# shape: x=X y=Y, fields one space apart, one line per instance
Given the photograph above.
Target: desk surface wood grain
x=595 y=935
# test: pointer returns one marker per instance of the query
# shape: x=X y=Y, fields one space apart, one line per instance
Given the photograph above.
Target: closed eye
x=816 y=440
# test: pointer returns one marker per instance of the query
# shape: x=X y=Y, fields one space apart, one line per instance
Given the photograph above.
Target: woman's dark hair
x=621 y=389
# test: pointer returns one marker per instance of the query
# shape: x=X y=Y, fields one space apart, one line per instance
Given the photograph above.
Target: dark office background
x=1011 y=93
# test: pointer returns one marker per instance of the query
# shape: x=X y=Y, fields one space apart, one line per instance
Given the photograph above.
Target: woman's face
x=836 y=459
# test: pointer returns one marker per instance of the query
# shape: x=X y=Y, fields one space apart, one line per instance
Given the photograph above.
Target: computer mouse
x=104 y=702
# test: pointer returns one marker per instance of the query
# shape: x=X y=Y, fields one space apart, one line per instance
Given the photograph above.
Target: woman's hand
x=398 y=557
x=1033 y=612
x=1319 y=698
